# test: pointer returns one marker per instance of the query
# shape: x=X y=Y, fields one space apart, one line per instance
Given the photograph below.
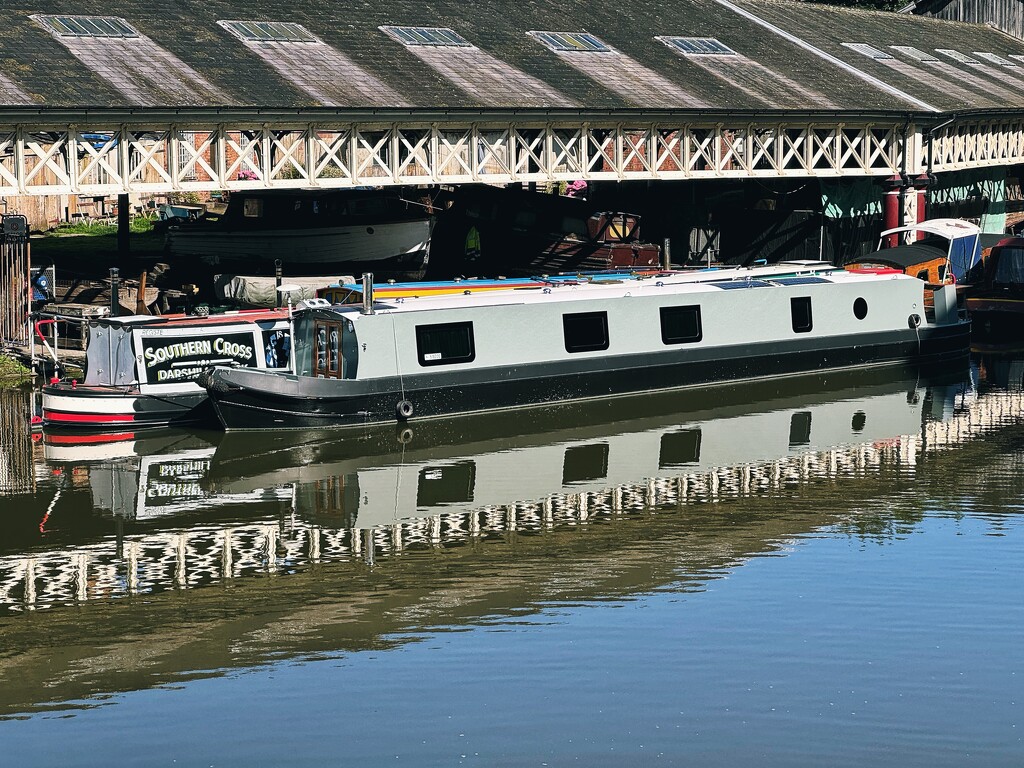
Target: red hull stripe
x=112 y=437
x=88 y=418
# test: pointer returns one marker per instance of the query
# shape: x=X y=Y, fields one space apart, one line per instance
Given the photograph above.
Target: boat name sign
x=184 y=359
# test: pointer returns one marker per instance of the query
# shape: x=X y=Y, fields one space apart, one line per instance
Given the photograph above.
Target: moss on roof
x=45 y=69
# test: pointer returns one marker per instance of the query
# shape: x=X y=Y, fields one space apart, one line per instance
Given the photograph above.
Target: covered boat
x=434 y=356
x=141 y=370
x=938 y=251
x=311 y=232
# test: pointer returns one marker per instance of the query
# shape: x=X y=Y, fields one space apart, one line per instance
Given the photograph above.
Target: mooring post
x=277 y=280
x=115 y=289
x=124 y=227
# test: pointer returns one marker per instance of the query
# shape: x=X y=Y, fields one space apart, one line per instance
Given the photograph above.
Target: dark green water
x=823 y=572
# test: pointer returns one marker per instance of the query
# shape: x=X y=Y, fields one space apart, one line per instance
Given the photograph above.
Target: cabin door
x=327 y=362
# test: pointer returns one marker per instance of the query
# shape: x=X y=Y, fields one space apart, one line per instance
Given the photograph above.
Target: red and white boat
x=141 y=371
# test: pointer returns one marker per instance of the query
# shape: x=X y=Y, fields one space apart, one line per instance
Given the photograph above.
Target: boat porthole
x=405 y=436
x=860 y=309
x=404 y=409
x=369 y=230
x=913 y=321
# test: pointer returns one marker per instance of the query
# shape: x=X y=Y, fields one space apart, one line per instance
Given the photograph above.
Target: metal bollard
x=115 y=289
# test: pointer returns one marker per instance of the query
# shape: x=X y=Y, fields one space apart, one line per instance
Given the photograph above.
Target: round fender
x=405 y=409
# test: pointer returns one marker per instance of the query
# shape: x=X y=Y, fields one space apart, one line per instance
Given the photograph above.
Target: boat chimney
x=666 y=255
x=367 y=293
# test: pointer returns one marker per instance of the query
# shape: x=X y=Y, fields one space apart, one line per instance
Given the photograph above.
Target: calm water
x=827 y=572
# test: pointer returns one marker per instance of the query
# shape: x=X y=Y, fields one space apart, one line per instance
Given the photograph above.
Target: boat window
x=860 y=308
x=451 y=484
x=585 y=462
x=445 y=343
x=585 y=331
x=333 y=347
x=681 y=325
x=923 y=275
x=800 y=429
x=327 y=350
x=682 y=447
x=252 y=208
x=800 y=307
x=1009 y=267
x=277 y=348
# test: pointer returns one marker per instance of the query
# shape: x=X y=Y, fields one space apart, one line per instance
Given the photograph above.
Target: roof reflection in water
x=332 y=571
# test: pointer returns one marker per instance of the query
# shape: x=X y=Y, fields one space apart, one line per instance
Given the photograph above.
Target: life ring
x=405 y=409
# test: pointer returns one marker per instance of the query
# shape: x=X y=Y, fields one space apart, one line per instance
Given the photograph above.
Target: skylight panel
x=698 y=46
x=87 y=26
x=269 y=31
x=995 y=58
x=916 y=53
x=440 y=37
x=571 y=42
x=869 y=50
x=963 y=58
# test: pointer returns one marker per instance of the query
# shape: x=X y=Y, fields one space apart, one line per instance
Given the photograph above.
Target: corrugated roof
x=186 y=59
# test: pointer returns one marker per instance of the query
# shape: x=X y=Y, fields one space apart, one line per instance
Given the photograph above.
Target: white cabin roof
x=679 y=282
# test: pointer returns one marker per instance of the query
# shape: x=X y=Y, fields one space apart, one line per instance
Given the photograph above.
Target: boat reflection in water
x=293 y=548
x=631 y=452
x=204 y=508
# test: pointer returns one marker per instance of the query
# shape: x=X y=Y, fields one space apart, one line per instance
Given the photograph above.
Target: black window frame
x=574 y=348
x=667 y=311
x=804 y=302
x=422 y=330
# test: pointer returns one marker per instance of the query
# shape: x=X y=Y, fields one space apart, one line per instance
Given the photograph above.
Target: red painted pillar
x=892 y=207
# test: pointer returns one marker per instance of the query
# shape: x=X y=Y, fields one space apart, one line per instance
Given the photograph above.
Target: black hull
x=303 y=404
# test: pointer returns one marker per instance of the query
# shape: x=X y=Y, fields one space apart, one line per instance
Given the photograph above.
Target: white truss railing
x=110 y=159
x=978 y=144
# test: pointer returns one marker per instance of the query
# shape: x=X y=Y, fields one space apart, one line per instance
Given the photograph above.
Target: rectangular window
x=269 y=31
x=585 y=331
x=452 y=484
x=915 y=53
x=801 y=309
x=800 y=429
x=698 y=46
x=963 y=58
x=682 y=447
x=868 y=50
x=445 y=343
x=327 y=362
x=438 y=37
x=585 y=462
x=681 y=325
x=995 y=58
x=87 y=26
x=570 y=42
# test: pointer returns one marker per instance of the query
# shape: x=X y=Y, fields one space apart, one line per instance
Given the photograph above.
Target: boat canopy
x=964 y=240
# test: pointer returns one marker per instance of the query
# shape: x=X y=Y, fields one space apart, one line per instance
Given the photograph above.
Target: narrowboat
x=996 y=305
x=387 y=360
x=141 y=370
